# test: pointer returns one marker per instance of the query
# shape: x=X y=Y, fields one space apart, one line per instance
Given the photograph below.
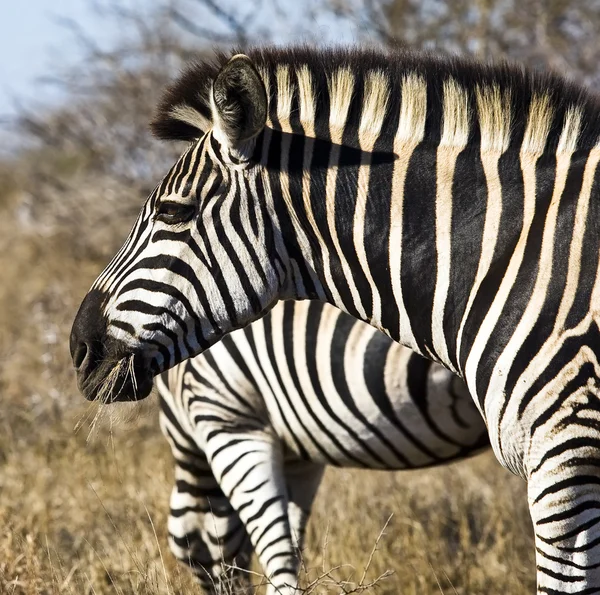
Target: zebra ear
x=238 y=102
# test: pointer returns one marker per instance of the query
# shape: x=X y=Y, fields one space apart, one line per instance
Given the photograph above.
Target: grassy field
x=85 y=513
x=90 y=517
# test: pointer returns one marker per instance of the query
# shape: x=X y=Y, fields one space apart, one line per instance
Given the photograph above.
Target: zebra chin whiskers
x=104 y=387
x=113 y=413
x=107 y=385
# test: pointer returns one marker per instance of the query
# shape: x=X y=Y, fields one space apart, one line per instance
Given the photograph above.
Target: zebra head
x=202 y=258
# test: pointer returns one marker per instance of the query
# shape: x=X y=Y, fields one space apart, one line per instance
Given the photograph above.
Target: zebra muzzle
x=108 y=370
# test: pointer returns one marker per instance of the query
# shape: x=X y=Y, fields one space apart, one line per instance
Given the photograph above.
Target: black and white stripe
x=253 y=421
x=453 y=205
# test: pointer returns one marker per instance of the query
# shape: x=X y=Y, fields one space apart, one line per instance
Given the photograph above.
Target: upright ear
x=239 y=102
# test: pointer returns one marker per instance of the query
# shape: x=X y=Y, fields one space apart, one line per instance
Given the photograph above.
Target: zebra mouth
x=127 y=378
x=108 y=369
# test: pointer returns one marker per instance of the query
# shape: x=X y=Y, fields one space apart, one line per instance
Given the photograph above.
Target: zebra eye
x=174 y=212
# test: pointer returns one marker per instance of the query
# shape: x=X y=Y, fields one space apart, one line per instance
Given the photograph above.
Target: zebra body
x=452 y=205
x=253 y=421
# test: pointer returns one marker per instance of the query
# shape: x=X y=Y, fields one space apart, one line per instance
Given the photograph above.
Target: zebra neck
x=419 y=240
x=389 y=231
x=358 y=229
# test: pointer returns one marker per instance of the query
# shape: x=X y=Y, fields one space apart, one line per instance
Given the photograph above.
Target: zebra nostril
x=80 y=355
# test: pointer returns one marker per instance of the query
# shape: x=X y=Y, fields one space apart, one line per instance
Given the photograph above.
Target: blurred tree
x=92 y=161
x=561 y=34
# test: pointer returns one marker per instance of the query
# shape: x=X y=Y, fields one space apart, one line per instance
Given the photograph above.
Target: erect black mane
x=192 y=89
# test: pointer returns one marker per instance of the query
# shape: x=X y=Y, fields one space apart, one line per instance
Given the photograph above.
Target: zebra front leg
x=249 y=468
x=563 y=469
x=205 y=532
x=303 y=479
x=565 y=509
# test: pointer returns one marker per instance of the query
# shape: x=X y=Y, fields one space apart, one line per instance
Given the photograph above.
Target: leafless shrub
x=93 y=161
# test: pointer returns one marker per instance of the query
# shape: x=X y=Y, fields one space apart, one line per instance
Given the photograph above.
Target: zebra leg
x=303 y=479
x=249 y=468
x=564 y=502
x=205 y=532
x=559 y=439
x=566 y=525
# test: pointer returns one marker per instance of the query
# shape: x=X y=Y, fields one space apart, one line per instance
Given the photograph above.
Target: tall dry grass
x=86 y=514
x=84 y=517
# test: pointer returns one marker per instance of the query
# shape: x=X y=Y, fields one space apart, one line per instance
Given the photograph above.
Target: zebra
x=451 y=204
x=253 y=422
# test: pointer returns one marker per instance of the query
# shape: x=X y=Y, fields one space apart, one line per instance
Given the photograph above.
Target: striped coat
x=253 y=421
x=451 y=204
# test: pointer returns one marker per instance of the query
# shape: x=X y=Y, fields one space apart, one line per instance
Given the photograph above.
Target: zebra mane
x=371 y=97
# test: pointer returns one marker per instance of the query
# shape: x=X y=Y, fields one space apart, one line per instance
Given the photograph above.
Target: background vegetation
x=83 y=503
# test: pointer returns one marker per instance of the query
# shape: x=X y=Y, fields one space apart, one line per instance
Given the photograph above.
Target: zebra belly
x=331 y=390
x=394 y=431
x=336 y=391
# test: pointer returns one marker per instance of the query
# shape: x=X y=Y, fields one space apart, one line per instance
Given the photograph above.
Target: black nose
x=88 y=334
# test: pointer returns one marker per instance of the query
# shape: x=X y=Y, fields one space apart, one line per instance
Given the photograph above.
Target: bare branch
x=201 y=32
x=229 y=18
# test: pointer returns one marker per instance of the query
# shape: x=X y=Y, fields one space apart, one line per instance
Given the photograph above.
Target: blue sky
x=33 y=43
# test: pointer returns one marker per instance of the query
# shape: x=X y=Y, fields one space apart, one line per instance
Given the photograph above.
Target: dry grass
x=89 y=516
x=83 y=517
